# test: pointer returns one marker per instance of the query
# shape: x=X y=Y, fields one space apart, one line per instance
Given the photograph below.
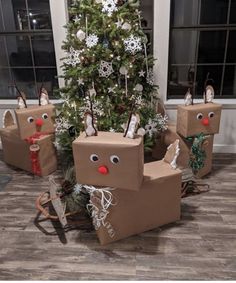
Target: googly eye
x=114 y=159
x=30 y=119
x=94 y=157
x=45 y=116
x=211 y=114
x=199 y=116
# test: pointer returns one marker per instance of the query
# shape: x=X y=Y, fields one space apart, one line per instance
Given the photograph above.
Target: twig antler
x=19 y=93
x=205 y=86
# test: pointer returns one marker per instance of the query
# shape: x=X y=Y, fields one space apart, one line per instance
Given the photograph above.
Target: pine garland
x=198 y=153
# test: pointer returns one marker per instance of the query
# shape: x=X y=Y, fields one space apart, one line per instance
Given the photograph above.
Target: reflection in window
x=202 y=41
x=26 y=47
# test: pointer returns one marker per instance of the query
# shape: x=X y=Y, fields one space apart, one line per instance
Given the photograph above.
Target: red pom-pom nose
x=39 y=122
x=103 y=170
x=205 y=122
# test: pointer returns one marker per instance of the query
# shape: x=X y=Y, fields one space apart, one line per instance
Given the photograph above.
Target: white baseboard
x=224 y=148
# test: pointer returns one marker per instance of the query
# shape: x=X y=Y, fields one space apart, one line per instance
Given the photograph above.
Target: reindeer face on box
x=193 y=119
x=109 y=160
x=34 y=119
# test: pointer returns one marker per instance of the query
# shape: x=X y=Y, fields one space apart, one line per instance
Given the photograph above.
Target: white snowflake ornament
x=133 y=44
x=150 y=128
x=105 y=69
x=109 y=6
x=73 y=57
x=92 y=40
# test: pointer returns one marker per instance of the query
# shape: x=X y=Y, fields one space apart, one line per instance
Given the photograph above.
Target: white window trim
x=161 y=53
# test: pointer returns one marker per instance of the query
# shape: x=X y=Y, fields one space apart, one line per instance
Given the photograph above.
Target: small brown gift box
x=169 y=136
x=109 y=160
x=16 y=151
x=27 y=118
x=157 y=203
x=198 y=118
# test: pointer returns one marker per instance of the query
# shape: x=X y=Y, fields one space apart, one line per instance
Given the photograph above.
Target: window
x=202 y=41
x=27 y=53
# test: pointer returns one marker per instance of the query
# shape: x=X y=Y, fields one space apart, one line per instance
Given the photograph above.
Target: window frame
x=162 y=12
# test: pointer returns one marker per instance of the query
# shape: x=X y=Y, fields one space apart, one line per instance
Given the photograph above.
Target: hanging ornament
x=123 y=70
x=105 y=42
x=105 y=69
x=133 y=44
x=61 y=125
x=80 y=34
x=73 y=57
x=72 y=131
x=126 y=26
x=150 y=77
x=109 y=6
x=138 y=88
x=92 y=91
x=141 y=73
x=91 y=40
x=141 y=132
x=111 y=90
x=80 y=81
x=76 y=19
x=150 y=128
x=118 y=58
x=119 y=23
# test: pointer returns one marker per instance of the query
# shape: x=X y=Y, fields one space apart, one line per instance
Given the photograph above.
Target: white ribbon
x=99 y=214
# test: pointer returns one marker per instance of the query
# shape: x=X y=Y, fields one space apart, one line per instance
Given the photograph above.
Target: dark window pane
x=15 y=15
x=5 y=80
x=48 y=77
x=147 y=13
x=231 y=52
x=183 y=46
x=211 y=46
x=25 y=80
x=39 y=14
x=181 y=78
x=229 y=87
x=233 y=12
x=19 y=51
x=184 y=12
x=43 y=50
x=3 y=53
x=215 y=73
x=214 y=11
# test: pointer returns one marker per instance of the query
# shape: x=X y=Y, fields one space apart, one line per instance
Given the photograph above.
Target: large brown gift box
x=16 y=151
x=109 y=160
x=27 y=118
x=198 y=118
x=169 y=136
x=157 y=203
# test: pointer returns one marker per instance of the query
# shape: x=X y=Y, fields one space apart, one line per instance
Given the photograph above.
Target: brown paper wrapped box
x=118 y=161
x=169 y=136
x=27 y=118
x=198 y=118
x=16 y=151
x=157 y=203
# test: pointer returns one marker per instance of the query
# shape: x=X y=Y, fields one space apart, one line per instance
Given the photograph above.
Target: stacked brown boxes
x=192 y=120
x=143 y=196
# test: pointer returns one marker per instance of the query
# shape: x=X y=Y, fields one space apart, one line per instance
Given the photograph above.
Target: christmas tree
x=107 y=70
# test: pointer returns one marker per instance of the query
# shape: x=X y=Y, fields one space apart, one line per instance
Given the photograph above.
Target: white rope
x=146 y=58
x=99 y=214
x=86 y=26
x=126 y=85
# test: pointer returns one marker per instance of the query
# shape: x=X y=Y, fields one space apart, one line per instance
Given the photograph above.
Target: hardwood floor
x=200 y=246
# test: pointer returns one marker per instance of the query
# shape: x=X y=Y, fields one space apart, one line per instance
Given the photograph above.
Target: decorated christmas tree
x=107 y=71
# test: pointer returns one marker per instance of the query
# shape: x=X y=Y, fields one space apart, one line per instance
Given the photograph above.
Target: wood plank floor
x=200 y=246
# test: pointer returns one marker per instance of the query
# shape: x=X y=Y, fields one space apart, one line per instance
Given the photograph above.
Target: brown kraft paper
x=16 y=151
x=27 y=127
x=189 y=123
x=126 y=174
x=169 y=136
x=157 y=203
